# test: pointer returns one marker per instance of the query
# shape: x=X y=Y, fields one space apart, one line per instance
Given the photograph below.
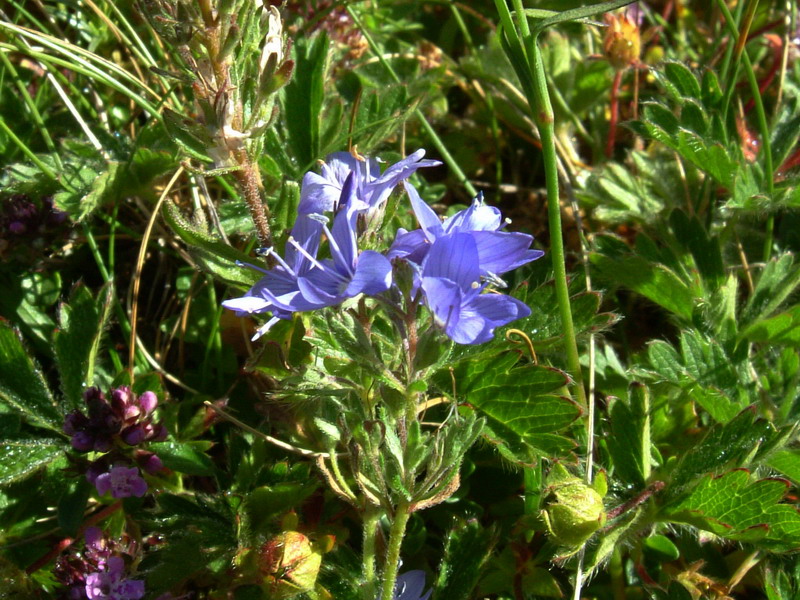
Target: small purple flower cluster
x=113 y=426
x=97 y=573
x=452 y=262
x=28 y=227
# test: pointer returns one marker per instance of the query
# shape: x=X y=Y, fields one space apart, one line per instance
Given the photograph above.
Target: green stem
x=543 y=115
x=371 y=518
x=47 y=171
x=761 y=115
x=396 y=534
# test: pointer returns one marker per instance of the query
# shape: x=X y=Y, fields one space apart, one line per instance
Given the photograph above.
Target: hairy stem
x=401 y=515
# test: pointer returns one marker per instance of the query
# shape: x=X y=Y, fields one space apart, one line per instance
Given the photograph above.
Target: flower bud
x=574 y=510
x=622 y=41
x=148 y=402
x=289 y=564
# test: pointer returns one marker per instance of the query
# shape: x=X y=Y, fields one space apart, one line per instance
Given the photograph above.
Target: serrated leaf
x=737 y=508
x=22 y=385
x=21 y=458
x=76 y=343
x=787 y=462
x=654 y=281
x=26 y=300
x=780 y=329
x=521 y=400
x=91 y=190
x=722 y=446
x=467 y=548
x=682 y=78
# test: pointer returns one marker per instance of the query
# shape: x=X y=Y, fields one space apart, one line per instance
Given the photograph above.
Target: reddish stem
x=65 y=543
x=612 y=124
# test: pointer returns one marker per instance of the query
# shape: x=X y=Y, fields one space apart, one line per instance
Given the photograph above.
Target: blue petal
x=411 y=245
x=307 y=232
x=318 y=194
x=497 y=309
x=428 y=219
x=373 y=275
x=400 y=171
x=501 y=251
x=410 y=586
x=443 y=298
x=478 y=217
x=454 y=257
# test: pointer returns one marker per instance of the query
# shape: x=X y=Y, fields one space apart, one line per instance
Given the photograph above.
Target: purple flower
x=498 y=251
x=450 y=280
x=302 y=283
x=122 y=482
x=112 y=584
x=321 y=193
x=124 y=416
x=410 y=586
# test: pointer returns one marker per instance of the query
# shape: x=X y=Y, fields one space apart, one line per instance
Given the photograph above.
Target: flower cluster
x=97 y=573
x=114 y=426
x=27 y=226
x=453 y=262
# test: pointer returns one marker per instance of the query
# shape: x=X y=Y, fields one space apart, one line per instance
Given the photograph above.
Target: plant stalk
x=401 y=515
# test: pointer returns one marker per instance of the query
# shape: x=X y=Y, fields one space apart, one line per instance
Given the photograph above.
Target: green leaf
x=21 y=458
x=22 y=385
x=77 y=341
x=780 y=329
x=303 y=98
x=467 y=548
x=521 y=400
x=266 y=502
x=662 y=548
x=213 y=255
x=722 y=446
x=26 y=300
x=737 y=508
x=72 y=506
x=629 y=442
x=682 y=78
x=705 y=249
x=787 y=462
x=185 y=457
x=654 y=281
x=778 y=280
x=91 y=190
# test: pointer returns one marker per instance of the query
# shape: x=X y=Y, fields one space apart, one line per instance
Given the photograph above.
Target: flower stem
x=543 y=115
x=396 y=534
x=249 y=180
x=371 y=517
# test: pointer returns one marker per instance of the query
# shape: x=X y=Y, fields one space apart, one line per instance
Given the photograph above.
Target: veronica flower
x=122 y=482
x=321 y=193
x=410 y=585
x=301 y=282
x=112 y=584
x=450 y=281
x=498 y=251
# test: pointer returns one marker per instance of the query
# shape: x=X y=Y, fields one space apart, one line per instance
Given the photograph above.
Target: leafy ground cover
x=399 y=300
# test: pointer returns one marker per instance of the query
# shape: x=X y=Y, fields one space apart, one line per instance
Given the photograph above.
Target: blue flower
x=301 y=282
x=410 y=585
x=498 y=251
x=321 y=193
x=450 y=281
